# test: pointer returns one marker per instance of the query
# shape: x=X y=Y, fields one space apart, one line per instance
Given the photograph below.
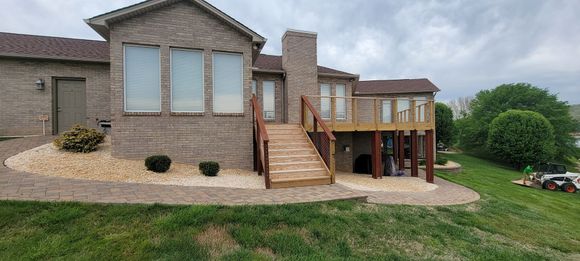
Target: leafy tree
x=488 y=104
x=521 y=137
x=443 y=123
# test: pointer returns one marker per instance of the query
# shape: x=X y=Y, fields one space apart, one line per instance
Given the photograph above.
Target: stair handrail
x=326 y=151
x=262 y=139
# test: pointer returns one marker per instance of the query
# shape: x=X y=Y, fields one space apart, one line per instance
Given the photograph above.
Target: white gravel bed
x=100 y=165
x=387 y=183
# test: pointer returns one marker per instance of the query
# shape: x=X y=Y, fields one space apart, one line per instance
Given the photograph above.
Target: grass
x=508 y=223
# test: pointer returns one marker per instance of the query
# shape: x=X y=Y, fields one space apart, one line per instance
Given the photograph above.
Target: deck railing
x=319 y=134
x=373 y=113
x=261 y=139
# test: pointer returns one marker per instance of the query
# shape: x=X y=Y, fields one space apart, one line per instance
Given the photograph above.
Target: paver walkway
x=16 y=185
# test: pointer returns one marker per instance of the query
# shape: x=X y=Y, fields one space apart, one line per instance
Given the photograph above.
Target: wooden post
x=333 y=112
x=354 y=113
x=414 y=154
x=395 y=146
x=376 y=154
x=401 y=150
x=332 y=162
x=429 y=156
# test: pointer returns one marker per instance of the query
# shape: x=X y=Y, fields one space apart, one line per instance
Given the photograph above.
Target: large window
x=325 y=102
x=340 y=102
x=269 y=100
x=142 y=82
x=186 y=81
x=228 y=83
x=387 y=112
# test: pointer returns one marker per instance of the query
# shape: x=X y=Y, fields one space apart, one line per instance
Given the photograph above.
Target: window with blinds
x=187 y=81
x=228 y=83
x=142 y=80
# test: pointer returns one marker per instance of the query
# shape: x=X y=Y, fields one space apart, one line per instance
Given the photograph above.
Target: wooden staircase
x=293 y=159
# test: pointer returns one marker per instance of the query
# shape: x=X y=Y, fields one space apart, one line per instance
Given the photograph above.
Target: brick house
x=183 y=87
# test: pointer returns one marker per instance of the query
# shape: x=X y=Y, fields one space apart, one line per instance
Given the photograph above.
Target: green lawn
x=508 y=223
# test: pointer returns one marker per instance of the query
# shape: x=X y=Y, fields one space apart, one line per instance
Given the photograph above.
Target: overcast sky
x=461 y=46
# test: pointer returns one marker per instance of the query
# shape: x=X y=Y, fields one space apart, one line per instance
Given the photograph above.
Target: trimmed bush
x=158 y=163
x=209 y=168
x=422 y=162
x=441 y=161
x=522 y=138
x=79 y=139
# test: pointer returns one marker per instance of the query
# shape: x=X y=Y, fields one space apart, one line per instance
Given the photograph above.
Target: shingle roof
x=46 y=47
x=395 y=86
x=274 y=63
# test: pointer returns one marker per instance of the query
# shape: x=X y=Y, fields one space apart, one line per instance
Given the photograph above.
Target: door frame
x=54 y=93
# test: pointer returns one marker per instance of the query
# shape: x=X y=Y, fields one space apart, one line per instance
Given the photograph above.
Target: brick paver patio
x=16 y=185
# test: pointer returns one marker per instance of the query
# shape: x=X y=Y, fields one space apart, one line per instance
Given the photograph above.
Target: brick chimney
x=299 y=60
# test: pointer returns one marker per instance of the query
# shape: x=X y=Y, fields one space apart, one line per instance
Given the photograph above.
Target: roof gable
x=100 y=23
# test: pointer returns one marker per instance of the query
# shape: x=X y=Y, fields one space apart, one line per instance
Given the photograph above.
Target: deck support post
x=376 y=155
x=429 y=157
x=401 y=150
x=414 y=154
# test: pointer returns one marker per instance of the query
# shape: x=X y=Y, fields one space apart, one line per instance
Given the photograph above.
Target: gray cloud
x=462 y=46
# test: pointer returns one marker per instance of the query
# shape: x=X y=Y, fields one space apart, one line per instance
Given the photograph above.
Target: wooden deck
x=343 y=114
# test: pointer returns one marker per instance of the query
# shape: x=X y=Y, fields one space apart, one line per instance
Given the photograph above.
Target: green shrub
x=441 y=161
x=522 y=138
x=79 y=139
x=209 y=168
x=158 y=163
x=422 y=162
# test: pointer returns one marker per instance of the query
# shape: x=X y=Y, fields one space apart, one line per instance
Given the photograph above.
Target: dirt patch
x=100 y=165
x=217 y=240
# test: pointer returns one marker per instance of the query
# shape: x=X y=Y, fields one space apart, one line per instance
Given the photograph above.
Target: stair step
x=276 y=136
x=292 y=158
x=303 y=145
x=293 y=163
x=284 y=152
x=283 y=126
x=285 y=131
x=296 y=171
x=300 y=182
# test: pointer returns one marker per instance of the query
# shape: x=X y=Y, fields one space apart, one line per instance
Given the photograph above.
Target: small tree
x=521 y=137
x=443 y=123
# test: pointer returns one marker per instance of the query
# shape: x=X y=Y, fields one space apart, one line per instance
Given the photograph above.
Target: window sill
x=142 y=113
x=228 y=114
x=187 y=113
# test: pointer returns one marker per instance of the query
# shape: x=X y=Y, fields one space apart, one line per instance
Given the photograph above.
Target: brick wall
x=21 y=104
x=299 y=60
x=278 y=101
x=185 y=138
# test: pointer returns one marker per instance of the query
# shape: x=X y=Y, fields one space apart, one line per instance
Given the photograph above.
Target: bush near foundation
x=158 y=163
x=441 y=161
x=209 y=168
x=79 y=139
